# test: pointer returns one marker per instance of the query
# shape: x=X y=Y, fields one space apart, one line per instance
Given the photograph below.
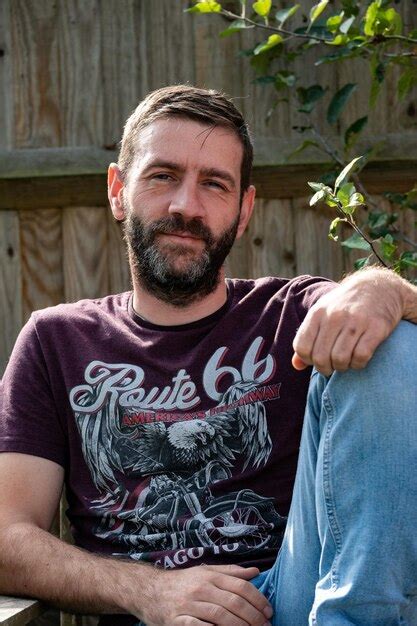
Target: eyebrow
x=211 y=172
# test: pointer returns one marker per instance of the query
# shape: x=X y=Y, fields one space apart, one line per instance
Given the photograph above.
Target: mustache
x=177 y=224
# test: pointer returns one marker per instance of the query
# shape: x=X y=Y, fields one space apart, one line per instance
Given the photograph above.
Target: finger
x=187 y=620
x=344 y=346
x=234 y=570
x=240 y=607
x=323 y=346
x=247 y=591
x=366 y=346
x=216 y=614
x=306 y=336
x=297 y=362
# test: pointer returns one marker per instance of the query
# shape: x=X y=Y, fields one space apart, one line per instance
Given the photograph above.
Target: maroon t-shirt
x=179 y=443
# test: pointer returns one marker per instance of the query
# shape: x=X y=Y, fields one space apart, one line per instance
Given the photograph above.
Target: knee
x=388 y=382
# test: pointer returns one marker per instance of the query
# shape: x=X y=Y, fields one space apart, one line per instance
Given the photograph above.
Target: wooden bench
x=19 y=611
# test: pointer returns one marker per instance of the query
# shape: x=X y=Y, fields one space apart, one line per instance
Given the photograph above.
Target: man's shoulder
x=277 y=284
x=88 y=309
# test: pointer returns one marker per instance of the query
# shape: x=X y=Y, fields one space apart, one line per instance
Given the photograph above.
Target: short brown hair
x=202 y=105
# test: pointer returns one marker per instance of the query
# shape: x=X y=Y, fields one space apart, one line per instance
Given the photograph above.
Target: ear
x=246 y=210
x=115 y=186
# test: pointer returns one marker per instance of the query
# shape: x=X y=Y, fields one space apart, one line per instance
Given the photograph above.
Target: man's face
x=181 y=203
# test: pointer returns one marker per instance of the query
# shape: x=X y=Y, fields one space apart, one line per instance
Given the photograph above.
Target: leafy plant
x=349 y=29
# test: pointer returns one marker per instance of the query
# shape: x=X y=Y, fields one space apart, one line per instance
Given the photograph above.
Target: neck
x=164 y=314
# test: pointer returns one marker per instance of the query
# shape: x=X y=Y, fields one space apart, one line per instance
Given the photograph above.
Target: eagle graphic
x=180 y=448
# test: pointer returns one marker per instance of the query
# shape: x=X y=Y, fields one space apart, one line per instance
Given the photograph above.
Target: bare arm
x=345 y=326
x=36 y=564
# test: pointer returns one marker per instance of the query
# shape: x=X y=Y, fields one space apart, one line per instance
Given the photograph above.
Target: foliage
x=347 y=29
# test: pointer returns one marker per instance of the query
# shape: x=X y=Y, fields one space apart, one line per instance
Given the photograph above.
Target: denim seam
x=328 y=491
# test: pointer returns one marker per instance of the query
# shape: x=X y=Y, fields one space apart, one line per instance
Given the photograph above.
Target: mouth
x=183 y=236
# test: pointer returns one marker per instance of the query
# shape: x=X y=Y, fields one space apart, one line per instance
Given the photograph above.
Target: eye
x=215 y=184
x=162 y=176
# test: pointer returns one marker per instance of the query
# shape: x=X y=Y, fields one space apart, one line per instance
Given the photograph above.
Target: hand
x=345 y=326
x=208 y=594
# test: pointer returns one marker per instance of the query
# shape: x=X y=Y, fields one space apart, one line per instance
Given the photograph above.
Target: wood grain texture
x=119 y=271
x=271 y=181
x=6 y=121
x=42 y=271
x=271 y=239
x=167 y=43
x=18 y=611
x=85 y=253
x=10 y=284
x=35 y=73
x=237 y=263
x=315 y=254
x=82 y=99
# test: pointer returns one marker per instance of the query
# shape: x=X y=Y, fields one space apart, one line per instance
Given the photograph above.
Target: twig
x=274 y=29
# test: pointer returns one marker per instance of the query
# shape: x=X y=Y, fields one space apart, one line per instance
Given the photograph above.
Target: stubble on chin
x=175 y=273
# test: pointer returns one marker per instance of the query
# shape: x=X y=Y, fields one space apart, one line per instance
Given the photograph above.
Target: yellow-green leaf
x=345 y=172
x=262 y=7
x=317 y=10
x=284 y=14
x=206 y=6
x=272 y=41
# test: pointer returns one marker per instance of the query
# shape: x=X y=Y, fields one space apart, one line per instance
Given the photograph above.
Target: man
x=174 y=413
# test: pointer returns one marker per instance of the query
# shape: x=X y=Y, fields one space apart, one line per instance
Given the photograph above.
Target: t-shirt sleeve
x=29 y=421
x=309 y=289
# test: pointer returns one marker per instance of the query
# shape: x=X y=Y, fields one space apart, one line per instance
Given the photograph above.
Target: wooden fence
x=71 y=71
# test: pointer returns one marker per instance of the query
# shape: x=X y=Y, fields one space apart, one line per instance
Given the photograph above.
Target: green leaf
x=317 y=10
x=408 y=259
x=319 y=195
x=356 y=242
x=354 y=130
x=284 y=79
x=345 y=172
x=333 y=228
x=235 y=27
x=371 y=18
x=334 y=22
x=407 y=81
x=262 y=7
x=309 y=97
x=360 y=263
x=339 y=101
x=316 y=186
x=388 y=247
x=345 y=27
x=205 y=6
x=378 y=76
x=306 y=144
x=285 y=14
x=272 y=41
x=343 y=53
x=355 y=200
x=345 y=192
x=339 y=40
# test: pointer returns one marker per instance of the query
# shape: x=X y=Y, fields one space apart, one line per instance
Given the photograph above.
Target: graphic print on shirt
x=174 y=453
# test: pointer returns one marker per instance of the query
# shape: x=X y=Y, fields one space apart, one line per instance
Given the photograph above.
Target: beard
x=176 y=273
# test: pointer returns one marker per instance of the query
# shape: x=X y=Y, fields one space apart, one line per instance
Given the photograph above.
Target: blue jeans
x=349 y=555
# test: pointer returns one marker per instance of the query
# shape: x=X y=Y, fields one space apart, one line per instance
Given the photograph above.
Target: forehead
x=192 y=144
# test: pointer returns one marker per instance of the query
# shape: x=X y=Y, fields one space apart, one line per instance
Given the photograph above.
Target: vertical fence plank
x=237 y=263
x=315 y=253
x=85 y=253
x=119 y=273
x=6 y=122
x=271 y=240
x=10 y=284
x=42 y=275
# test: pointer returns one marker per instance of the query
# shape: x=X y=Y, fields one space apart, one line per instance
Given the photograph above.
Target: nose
x=185 y=200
